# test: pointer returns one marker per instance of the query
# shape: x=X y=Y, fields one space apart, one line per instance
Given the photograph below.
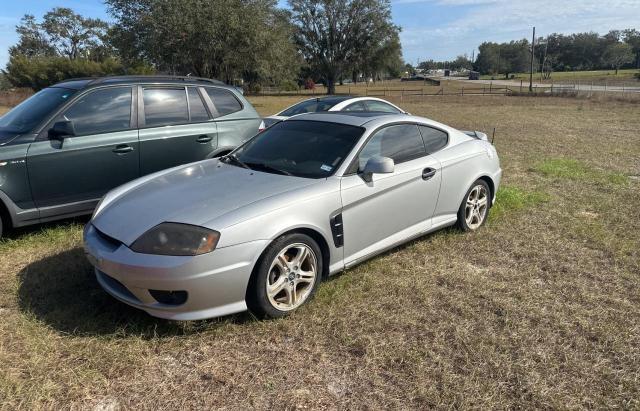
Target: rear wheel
x=474 y=210
x=286 y=277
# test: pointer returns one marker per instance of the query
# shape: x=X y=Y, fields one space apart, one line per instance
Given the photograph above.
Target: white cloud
x=503 y=20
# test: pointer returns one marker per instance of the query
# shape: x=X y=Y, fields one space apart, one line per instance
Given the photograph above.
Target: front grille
x=169 y=297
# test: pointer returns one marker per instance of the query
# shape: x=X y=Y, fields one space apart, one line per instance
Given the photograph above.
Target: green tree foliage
x=226 y=39
x=632 y=38
x=63 y=33
x=339 y=36
x=504 y=58
x=42 y=71
x=617 y=55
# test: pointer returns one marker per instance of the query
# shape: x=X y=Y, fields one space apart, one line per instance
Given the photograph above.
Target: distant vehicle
x=474 y=75
x=309 y=197
x=335 y=103
x=63 y=148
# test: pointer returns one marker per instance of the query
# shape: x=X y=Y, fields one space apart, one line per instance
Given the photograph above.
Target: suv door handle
x=122 y=149
x=204 y=138
x=428 y=173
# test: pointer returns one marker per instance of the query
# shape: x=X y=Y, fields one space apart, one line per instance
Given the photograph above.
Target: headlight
x=176 y=239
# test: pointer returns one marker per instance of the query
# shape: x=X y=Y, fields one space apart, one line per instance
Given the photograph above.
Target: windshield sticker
x=325 y=167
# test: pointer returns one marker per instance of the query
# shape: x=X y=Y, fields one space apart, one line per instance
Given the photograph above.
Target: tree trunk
x=331 y=85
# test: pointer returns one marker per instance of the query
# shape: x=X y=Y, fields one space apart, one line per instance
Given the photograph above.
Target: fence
x=485 y=90
x=622 y=91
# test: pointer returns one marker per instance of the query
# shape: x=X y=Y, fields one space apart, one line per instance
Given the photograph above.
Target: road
x=556 y=86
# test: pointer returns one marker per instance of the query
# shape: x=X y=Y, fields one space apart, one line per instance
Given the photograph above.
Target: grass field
x=595 y=76
x=539 y=309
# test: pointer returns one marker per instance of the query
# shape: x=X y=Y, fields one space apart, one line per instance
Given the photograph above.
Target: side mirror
x=377 y=165
x=62 y=129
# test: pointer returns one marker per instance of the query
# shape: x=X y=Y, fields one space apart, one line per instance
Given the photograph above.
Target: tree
x=33 y=40
x=617 y=55
x=632 y=38
x=61 y=33
x=227 y=39
x=332 y=35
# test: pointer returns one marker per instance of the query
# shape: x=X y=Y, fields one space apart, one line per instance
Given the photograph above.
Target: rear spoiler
x=476 y=134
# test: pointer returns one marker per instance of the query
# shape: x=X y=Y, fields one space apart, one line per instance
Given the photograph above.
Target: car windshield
x=25 y=116
x=311 y=149
x=309 y=106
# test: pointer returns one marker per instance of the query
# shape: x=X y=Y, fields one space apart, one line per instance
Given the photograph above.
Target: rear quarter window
x=434 y=139
x=224 y=101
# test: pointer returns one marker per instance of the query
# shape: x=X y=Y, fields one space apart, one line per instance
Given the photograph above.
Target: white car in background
x=335 y=103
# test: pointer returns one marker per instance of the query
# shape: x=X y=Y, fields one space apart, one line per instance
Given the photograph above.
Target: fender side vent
x=337 y=230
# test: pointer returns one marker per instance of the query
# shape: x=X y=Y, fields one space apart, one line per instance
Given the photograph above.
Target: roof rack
x=99 y=80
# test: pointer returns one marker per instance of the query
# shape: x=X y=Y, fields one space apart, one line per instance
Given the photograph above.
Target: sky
x=431 y=29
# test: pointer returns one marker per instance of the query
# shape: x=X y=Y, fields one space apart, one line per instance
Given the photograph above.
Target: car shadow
x=62 y=292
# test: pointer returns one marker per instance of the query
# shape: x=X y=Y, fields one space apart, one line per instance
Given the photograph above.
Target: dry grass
x=539 y=309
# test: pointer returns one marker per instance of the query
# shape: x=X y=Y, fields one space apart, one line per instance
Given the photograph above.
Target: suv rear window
x=165 y=106
x=224 y=101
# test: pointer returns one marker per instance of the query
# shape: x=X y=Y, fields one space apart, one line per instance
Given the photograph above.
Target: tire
x=280 y=283
x=474 y=209
x=1 y=226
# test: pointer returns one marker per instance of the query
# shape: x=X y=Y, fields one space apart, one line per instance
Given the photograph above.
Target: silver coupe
x=311 y=196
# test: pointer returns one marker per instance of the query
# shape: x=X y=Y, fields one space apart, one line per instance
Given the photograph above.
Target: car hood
x=196 y=194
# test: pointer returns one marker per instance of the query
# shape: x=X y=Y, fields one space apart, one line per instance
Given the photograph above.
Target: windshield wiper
x=267 y=167
x=233 y=158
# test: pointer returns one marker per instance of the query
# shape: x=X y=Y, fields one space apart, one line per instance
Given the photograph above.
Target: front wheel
x=286 y=277
x=474 y=210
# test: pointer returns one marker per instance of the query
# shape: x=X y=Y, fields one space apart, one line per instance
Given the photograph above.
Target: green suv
x=63 y=148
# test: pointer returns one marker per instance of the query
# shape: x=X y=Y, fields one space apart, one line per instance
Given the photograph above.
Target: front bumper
x=215 y=283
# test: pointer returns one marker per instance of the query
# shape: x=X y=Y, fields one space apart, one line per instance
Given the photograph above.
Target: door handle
x=428 y=173
x=123 y=149
x=204 y=138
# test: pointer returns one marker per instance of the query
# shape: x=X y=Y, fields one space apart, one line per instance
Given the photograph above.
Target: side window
x=224 y=101
x=434 y=139
x=401 y=143
x=379 y=106
x=165 y=106
x=357 y=106
x=197 y=111
x=101 y=111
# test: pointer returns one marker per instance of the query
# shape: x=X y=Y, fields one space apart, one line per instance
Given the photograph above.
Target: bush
x=40 y=72
x=288 y=85
x=309 y=84
x=637 y=76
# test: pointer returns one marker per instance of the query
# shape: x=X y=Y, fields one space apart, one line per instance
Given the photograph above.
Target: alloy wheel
x=476 y=207
x=291 y=276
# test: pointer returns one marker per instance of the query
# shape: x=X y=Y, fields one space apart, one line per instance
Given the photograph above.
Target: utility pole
x=533 y=46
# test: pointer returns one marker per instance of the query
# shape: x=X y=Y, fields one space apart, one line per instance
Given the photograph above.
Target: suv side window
x=434 y=139
x=197 y=110
x=101 y=111
x=165 y=106
x=379 y=106
x=400 y=142
x=357 y=106
x=224 y=101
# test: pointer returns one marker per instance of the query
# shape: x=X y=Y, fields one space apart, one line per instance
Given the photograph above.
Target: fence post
x=462 y=91
x=490 y=87
x=402 y=94
x=521 y=86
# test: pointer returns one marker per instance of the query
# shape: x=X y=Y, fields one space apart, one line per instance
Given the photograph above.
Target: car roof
x=353 y=118
x=82 y=83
